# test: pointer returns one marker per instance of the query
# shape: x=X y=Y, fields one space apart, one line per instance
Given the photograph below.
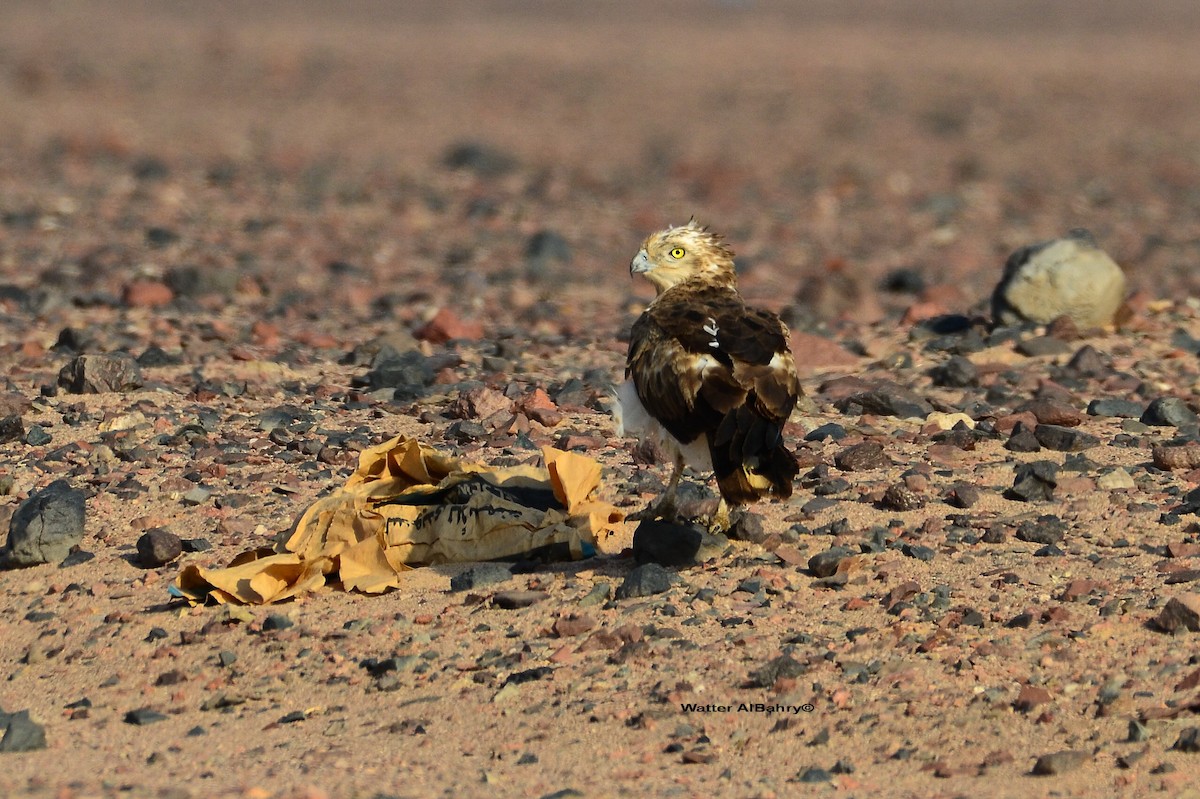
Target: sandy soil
x=268 y=193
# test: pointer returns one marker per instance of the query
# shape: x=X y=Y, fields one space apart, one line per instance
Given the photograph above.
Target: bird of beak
x=640 y=263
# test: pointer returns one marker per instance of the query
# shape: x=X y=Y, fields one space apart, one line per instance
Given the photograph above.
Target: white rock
x=1069 y=276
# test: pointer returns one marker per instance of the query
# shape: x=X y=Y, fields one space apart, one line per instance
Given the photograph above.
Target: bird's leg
x=664 y=508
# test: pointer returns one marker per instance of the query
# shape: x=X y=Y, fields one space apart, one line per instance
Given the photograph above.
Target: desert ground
x=265 y=204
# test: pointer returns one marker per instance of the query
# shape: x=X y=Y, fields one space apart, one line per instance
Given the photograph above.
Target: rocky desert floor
x=278 y=234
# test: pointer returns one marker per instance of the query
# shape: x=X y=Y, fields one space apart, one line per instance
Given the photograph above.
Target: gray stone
x=11 y=429
x=100 y=373
x=1169 y=412
x=1115 y=407
x=1034 y=481
x=1059 y=762
x=958 y=372
x=143 y=716
x=45 y=526
x=1070 y=277
x=861 y=457
x=783 y=667
x=1022 y=439
x=645 y=580
x=21 y=734
x=480 y=575
x=1039 y=346
x=1188 y=741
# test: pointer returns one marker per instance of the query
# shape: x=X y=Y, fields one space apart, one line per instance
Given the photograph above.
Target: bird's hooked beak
x=640 y=263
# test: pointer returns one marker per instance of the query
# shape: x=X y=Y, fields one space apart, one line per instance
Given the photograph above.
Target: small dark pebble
x=1034 y=481
x=824 y=564
x=36 y=436
x=196 y=544
x=1115 y=407
x=918 y=551
x=861 y=457
x=782 y=667
x=156 y=634
x=831 y=430
x=277 y=621
x=645 y=580
x=528 y=675
x=11 y=429
x=1022 y=439
x=958 y=372
x=813 y=774
x=481 y=575
x=293 y=717
x=144 y=716
x=963 y=495
x=512 y=600
x=1043 y=345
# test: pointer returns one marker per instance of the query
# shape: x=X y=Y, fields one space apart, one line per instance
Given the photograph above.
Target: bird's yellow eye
x=677 y=253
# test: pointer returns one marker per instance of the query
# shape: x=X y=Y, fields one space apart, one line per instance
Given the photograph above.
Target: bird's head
x=687 y=252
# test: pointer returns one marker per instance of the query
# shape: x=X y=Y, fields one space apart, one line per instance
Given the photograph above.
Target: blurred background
x=861 y=157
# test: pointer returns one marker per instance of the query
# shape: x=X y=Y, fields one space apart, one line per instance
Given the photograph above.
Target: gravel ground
x=239 y=246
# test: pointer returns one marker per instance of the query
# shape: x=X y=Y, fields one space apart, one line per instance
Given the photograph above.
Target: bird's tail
x=750 y=459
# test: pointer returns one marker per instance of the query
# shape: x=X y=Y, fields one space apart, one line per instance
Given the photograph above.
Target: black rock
x=903 y=281
x=100 y=373
x=158 y=547
x=1064 y=439
x=21 y=734
x=481 y=575
x=813 y=775
x=783 y=667
x=1022 y=439
x=277 y=621
x=158 y=237
x=887 y=400
x=481 y=158
x=958 y=372
x=11 y=429
x=193 y=281
x=143 y=716
x=1188 y=740
x=862 y=457
x=45 y=526
x=824 y=564
x=544 y=249
x=963 y=495
x=1087 y=362
x=155 y=356
x=1045 y=530
x=666 y=543
x=645 y=580
x=830 y=430
x=1034 y=481
x=918 y=551
x=36 y=436
x=409 y=373
x=1127 y=409
x=1169 y=412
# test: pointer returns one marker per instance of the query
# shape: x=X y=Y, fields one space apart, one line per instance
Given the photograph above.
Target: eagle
x=707 y=377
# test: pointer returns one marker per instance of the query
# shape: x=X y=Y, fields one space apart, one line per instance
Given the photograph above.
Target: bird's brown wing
x=704 y=363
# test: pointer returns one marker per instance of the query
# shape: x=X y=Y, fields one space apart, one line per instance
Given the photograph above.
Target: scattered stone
x=1059 y=763
x=1034 y=481
x=812 y=774
x=481 y=158
x=1046 y=530
x=1176 y=456
x=861 y=457
x=11 y=429
x=825 y=564
x=446 y=325
x=675 y=545
x=480 y=575
x=958 y=372
x=36 y=436
x=900 y=497
x=158 y=547
x=1040 y=346
x=1188 y=741
x=409 y=374
x=100 y=373
x=784 y=667
x=515 y=599
x=1030 y=697
x=1052 y=412
x=1070 y=277
x=831 y=430
x=277 y=621
x=963 y=495
x=645 y=580
x=887 y=400
x=1127 y=409
x=572 y=624
x=1116 y=479
x=1138 y=732
x=1022 y=439
x=21 y=734
x=143 y=716
x=45 y=526
x=1169 y=412
x=1179 y=614
x=1064 y=439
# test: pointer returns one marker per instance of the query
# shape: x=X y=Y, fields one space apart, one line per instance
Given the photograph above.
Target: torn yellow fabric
x=408 y=505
